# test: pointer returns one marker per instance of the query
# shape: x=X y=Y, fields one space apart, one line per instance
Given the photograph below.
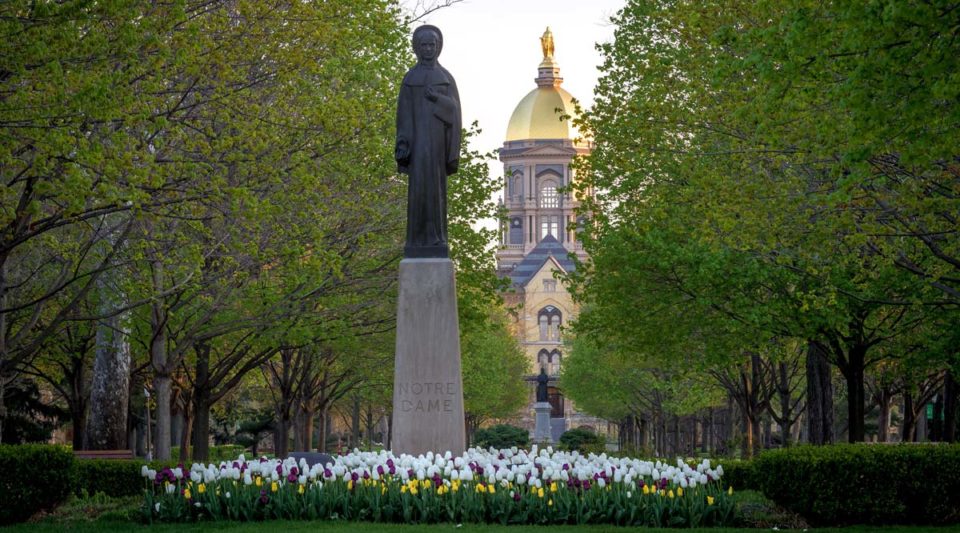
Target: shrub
x=112 y=477
x=501 y=436
x=739 y=475
x=864 y=484
x=582 y=440
x=35 y=477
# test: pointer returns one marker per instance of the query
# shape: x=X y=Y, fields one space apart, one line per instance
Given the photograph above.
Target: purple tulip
x=263 y=497
x=327 y=473
x=566 y=466
x=354 y=476
x=295 y=471
x=380 y=469
x=366 y=475
x=292 y=478
x=516 y=496
x=393 y=470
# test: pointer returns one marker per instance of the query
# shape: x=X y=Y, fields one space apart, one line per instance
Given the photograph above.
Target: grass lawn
x=99 y=513
x=367 y=527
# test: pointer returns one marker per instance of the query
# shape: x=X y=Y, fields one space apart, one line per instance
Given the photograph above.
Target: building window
x=550 y=225
x=549 y=319
x=549 y=285
x=549 y=196
x=516 y=230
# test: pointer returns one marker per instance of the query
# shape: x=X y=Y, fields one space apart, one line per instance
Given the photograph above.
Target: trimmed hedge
x=35 y=477
x=864 y=484
x=112 y=477
x=501 y=436
x=583 y=440
x=738 y=474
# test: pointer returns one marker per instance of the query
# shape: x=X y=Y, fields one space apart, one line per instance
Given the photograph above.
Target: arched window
x=548 y=195
x=549 y=319
x=543 y=360
x=554 y=363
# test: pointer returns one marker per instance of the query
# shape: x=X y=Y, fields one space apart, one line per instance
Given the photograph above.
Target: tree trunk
x=936 y=425
x=883 y=419
x=355 y=423
x=322 y=427
x=949 y=407
x=853 y=371
x=819 y=395
x=309 y=415
x=201 y=404
x=281 y=436
x=79 y=417
x=186 y=437
x=200 y=433
x=909 y=431
x=163 y=388
x=786 y=414
x=110 y=387
x=162 y=381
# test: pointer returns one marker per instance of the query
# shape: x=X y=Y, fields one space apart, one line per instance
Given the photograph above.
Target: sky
x=492 y=49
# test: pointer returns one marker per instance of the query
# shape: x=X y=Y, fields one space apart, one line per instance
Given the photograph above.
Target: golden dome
x=536 y=116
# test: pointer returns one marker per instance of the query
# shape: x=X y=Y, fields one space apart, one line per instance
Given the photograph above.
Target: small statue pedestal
x=541 y=431
x=427 y=386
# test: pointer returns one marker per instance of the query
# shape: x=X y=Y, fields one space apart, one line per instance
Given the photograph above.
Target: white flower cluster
x=535 y=467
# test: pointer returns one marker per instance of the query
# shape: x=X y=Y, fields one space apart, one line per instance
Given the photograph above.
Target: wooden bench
x=103 y=454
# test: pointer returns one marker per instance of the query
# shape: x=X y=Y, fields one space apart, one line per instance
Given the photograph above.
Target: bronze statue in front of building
x=428 y=144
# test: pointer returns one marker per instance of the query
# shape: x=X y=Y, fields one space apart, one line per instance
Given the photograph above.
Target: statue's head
x=427 y=42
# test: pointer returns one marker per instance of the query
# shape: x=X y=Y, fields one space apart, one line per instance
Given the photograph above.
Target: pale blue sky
x=492 y=48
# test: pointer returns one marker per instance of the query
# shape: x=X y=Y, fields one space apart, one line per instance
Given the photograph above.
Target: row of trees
x=776 y=203
x=199 y=198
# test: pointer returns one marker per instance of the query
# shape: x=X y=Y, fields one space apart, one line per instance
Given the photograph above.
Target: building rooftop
x=531 y=264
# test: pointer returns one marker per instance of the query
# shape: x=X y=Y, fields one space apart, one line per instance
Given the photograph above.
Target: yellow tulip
x=730 y=490
x=383 y=489
x=413 y=489
x=709 y=500
x=549 y=503
x=403 y=489
x=274 y=487
x=201 y=488
x=479 y=487
x=259 y=481
x=300 y=489
x=680 y=491
x=670 y=494
x=425 y=484
x=553 y=487
x=540 y=492
x=455 y=485
x=186 y=493
x=646 y=489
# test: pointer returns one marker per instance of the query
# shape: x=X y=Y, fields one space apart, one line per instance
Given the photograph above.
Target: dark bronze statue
x=542 y=380
x=428 y=144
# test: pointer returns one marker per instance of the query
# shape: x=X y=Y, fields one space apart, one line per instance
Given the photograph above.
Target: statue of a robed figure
x=428 y=410
x=428 y=144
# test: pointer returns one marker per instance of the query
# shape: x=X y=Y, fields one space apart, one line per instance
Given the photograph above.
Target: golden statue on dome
x=546 y=42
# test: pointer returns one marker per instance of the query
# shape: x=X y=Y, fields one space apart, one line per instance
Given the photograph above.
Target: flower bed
x=507 y=487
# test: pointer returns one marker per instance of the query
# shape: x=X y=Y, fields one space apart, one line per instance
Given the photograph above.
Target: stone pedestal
x=541 y=428
x=427 y=384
